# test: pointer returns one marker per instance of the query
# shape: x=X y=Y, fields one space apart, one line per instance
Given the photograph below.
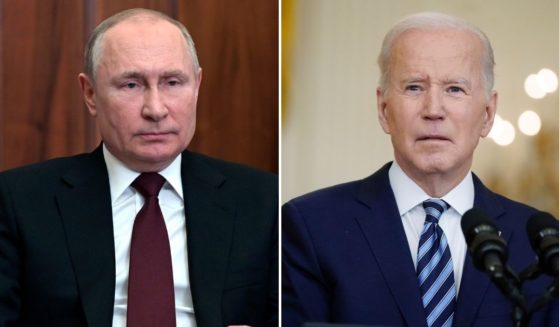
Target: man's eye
x=413 y=88
x=173 y=82
x=455 y=89
x=131 y=85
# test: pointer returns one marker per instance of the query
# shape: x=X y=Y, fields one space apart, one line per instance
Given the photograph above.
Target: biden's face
x=435 y=107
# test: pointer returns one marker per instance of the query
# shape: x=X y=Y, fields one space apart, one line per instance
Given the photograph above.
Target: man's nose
x=433 y=107
x=154 y=106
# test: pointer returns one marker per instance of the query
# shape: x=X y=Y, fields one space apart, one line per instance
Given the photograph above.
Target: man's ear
x=86 y=84
x=489 y=114
x=198 y=82
x=382 y=108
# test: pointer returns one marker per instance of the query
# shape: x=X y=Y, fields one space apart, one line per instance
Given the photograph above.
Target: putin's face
x=144 y=94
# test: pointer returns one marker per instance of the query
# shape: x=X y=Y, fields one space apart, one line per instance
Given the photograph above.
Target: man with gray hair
x=140 y=232
x=388 y=249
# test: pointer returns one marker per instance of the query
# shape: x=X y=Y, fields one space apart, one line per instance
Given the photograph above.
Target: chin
x=434 y=166
x=161 y=157
x=158 y=155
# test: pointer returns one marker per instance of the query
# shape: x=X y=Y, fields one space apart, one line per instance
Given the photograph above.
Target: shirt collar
x=120 y=176
x=408 y=194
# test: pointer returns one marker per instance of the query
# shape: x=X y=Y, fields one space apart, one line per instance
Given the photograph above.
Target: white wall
x=330 y=133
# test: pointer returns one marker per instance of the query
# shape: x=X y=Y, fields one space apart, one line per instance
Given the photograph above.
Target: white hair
x=433 y=21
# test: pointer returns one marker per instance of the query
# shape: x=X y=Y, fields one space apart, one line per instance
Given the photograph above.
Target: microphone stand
x=552 y=291
x=510 y=284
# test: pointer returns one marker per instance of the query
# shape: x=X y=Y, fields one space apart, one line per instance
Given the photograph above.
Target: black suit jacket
x=346 y=259
x=57 y=261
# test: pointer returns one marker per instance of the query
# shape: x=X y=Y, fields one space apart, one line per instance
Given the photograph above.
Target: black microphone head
x=482 y=237
x=540 y=225
x=543 y=231
x=473 y=220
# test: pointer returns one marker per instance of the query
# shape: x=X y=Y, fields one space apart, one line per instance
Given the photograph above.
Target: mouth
x=433 y=138
x=154 y=136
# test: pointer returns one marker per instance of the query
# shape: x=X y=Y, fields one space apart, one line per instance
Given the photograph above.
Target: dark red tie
x=151 y=296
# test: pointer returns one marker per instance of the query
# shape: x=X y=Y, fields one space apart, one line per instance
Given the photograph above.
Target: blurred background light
x=496 y=127
x=547 y=80
x=529 y=123
x=533 y=87
x=503 y=131
x=538 y=85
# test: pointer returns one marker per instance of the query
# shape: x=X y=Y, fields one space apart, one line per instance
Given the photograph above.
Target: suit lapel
x=384 y=231
x=475 y=283
x=85 y=207
x=209 y=224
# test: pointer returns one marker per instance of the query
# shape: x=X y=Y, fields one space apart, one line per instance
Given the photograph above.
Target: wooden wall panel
x=41 y=109
x=41 y=103
x=105 y=8
x=237 y=42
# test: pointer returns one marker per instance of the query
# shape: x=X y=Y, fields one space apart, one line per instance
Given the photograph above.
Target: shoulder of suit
x=41 y=178
x=514 y=207
x=331 y=196
x=51 y=167
x=230 y=170
x=511 y=207
x=347 y=191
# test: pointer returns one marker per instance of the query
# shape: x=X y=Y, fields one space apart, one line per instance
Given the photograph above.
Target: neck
x=435 y=184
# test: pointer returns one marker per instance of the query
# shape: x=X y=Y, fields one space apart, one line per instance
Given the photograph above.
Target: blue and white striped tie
x=434 y=268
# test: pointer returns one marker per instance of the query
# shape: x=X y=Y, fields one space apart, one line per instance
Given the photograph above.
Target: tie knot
x=434 y=208
x=148 y=184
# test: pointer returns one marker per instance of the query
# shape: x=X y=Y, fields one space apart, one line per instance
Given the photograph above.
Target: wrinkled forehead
x=144 y=30
x=146 y=39
x=435 y=42
x=440 y=48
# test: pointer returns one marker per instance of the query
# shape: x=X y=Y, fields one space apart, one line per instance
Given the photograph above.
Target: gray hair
x=433 y=20
x=93 y=49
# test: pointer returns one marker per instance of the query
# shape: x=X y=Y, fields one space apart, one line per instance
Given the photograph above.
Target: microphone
x=487 y=248
x=489 y=254
x=543 y=231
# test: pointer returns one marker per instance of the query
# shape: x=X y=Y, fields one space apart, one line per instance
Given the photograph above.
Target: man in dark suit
x=388 y=250
x=74 y=246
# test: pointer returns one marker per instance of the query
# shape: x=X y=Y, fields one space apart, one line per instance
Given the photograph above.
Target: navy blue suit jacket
x=346 y=259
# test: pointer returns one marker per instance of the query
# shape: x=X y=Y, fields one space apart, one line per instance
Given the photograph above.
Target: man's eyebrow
x=176 y=73
x=139 y=76
x=461 y=81
x=414 y=79
x=129 y=74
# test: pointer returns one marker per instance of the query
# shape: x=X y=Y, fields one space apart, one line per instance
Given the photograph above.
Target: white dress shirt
x=409 y=198
x=126 y=202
